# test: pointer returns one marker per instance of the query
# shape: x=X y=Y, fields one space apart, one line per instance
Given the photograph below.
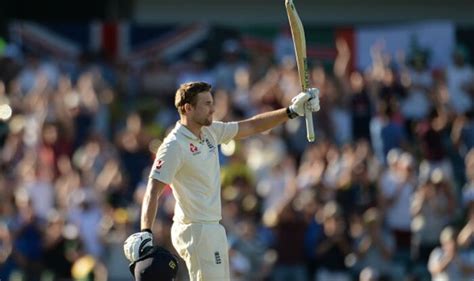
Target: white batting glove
x=308 y=99
x=137 y=244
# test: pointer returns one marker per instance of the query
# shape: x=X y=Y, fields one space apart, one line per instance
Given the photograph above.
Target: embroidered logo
x=194 y=150
x=210 y=145
x=159 y=164
x=172 y=264
x=217 y=256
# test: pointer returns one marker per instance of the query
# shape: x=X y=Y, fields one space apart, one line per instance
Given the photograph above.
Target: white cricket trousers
x=203 y=246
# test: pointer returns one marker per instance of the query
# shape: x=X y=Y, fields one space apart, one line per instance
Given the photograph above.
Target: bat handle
x=309 y=125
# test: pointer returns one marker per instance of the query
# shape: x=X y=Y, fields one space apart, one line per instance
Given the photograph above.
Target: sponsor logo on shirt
x=159 y=164
x=217 y=256
x=210 y=145
x=194 y=150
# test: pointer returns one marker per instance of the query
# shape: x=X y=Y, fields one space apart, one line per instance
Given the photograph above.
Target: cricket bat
x=299 y=41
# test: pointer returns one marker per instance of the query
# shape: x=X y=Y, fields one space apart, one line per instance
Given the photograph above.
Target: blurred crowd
x=385 y=193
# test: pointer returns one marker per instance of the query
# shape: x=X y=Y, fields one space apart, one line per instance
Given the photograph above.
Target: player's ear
x=187 y=107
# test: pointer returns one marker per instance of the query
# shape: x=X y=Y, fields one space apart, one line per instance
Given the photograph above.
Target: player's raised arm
x=265 y=121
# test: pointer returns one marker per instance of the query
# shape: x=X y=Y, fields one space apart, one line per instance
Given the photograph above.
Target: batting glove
x=308 y=100
x=137 y=245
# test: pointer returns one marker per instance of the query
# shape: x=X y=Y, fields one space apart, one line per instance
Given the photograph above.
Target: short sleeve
x=223 y=131
x=167 y=162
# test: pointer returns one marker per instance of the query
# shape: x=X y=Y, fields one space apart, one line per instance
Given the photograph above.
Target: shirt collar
x=186 y=132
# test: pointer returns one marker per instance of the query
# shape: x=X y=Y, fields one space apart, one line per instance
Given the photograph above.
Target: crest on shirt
x=159 y=164
x=194 y=150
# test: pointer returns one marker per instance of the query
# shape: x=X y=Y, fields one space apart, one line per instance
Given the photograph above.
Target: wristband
x=291 y=114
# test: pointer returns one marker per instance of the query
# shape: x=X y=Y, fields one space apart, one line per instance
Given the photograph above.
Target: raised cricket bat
x=299 y=41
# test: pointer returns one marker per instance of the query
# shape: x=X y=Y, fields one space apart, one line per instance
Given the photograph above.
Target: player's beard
x=204 y=121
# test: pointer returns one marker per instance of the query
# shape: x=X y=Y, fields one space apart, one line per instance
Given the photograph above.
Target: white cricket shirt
x=191 y=166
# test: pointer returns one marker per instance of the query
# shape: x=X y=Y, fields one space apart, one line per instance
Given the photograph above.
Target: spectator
x=433 y=207
x=361 y=107
x=334 y=246
x=133 y=150
x=251 y=249
x=395 y=199
x=196 y=69
x=468 y=189
x=430 y=135
x=115 y=229
x=273 y=188
x=230 y=63
x=26 y=230
x=283 y=45
x=462 y=133
x=392 y=132
x=86 y=215
x=376 y=246
x=465 y=242
x=70 y=132
x=459 y=77
x=445 y=262
x=290 y=226
x=60 y=248
x=416 y=104
x=311 y=207
x=6 y=260
x=365 y=191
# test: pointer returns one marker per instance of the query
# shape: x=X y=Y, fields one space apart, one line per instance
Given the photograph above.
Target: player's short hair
x=187 y=93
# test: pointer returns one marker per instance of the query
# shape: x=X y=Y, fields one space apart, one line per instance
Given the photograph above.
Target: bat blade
x=299 y=42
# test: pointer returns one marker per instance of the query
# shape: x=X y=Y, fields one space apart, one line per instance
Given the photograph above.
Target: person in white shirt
x=188 y=161
x=459 y=77
x=396 y=194
x=446 y=263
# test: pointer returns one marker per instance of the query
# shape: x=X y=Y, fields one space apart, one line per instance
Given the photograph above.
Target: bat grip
x=309 y=125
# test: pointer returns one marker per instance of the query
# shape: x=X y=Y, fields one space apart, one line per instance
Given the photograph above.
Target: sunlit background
x=385 y=192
